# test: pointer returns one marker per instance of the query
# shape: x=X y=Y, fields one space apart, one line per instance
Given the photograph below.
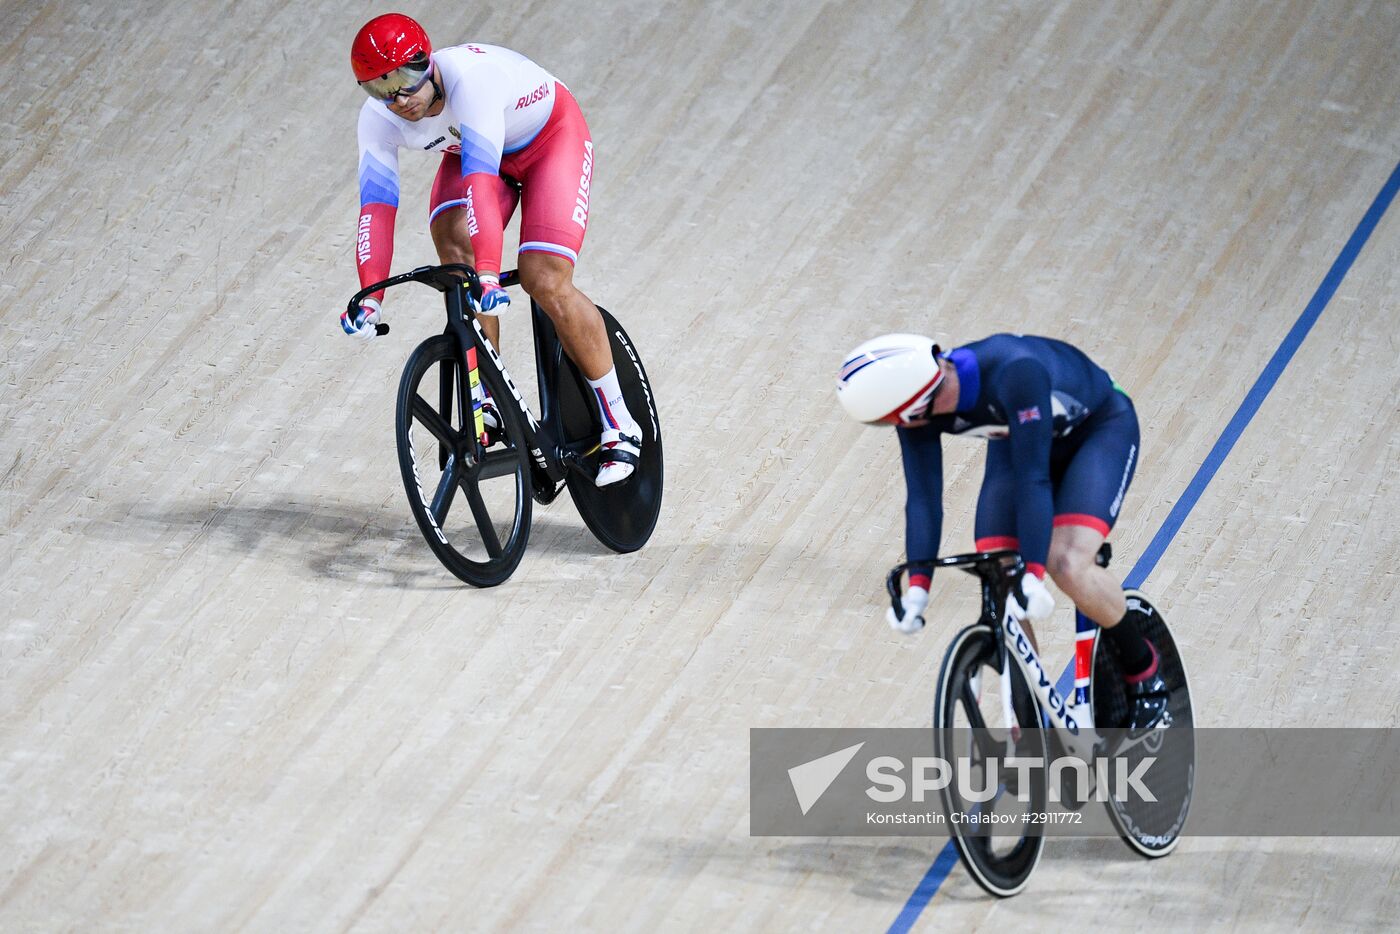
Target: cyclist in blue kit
x=1062 y=446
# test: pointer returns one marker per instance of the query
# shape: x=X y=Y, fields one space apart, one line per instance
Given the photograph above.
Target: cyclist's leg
x=1088 y=496
x=556 y=171
x=549 y=279
x=1094 y=590
x=1087 y=501
x=994 y=527
x=448 y=224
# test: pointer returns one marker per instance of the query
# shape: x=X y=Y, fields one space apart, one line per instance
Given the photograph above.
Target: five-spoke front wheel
x=472 y=502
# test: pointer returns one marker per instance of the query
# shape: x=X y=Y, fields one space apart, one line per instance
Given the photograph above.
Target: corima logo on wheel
x=418 y=482
x=642 y=378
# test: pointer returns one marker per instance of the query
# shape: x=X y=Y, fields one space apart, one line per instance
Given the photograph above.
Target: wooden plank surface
x=237 y=691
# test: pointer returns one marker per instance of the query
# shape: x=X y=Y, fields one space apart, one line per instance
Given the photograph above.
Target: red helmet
x=385 y=43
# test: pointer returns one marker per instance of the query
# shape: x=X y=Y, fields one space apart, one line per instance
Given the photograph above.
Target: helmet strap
x=437 y=91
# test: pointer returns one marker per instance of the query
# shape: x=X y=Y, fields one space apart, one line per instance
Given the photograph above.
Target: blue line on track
x=948 y=856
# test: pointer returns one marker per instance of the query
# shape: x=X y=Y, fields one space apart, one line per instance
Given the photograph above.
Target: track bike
x=996 y=700
x=448 y=452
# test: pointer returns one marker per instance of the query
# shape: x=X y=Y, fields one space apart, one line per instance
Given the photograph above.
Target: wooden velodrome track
x=238 y=692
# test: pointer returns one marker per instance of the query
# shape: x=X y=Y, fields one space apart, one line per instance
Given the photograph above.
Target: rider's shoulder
x=1008 y=360
x=1008 y=346
x=476 y=68
x=471 y=55
x=1011 y=339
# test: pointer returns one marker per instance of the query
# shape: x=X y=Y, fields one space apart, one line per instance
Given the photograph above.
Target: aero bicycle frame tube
x=548 y=351
x=1073 y=721
x=543 y=448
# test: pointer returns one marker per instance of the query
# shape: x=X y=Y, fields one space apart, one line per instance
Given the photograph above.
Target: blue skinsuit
x=1063 y=442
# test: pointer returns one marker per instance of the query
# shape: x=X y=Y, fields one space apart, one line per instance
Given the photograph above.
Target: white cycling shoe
x=619 y=455
x=491 y=419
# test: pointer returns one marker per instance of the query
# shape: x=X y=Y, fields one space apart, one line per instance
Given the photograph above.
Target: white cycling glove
x=915 y=601
x=1039 y=603
x=363 y=323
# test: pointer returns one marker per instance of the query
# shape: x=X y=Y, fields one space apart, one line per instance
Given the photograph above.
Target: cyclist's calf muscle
x=1072 y=566
x=549 y=280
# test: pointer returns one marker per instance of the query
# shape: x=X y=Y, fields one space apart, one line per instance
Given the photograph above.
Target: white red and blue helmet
x=889 y=380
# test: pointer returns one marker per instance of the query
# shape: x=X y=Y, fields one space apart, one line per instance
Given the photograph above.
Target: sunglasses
x=406 y=79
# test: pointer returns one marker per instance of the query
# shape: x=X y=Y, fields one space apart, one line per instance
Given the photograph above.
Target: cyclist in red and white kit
x=510 y=134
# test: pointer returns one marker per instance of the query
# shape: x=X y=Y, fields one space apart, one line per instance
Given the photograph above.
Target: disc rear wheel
x=1150 y=828
x=623 y=515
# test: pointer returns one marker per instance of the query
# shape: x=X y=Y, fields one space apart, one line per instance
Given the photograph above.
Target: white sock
x=612 y=408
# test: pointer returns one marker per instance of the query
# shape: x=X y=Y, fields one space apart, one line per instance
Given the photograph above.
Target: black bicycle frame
x=1000 y=573
x=550 y=462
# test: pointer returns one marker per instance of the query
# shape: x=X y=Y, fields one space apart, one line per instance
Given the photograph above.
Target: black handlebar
x=441 y=278
x=444 y=277
x=991 y=566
